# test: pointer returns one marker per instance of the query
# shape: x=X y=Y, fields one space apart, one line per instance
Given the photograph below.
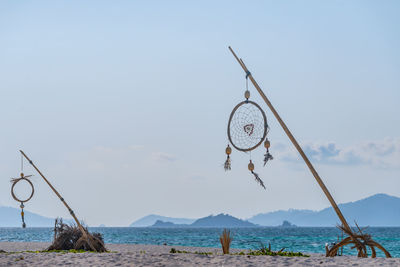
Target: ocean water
x=302 y=239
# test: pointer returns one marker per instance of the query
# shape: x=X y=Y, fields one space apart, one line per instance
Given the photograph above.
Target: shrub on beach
x=67 y=237
x=225 y=240
x=266 y=251
x=173 y=250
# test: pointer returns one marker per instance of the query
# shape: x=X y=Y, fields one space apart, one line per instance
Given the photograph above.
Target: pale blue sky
x=124 y=104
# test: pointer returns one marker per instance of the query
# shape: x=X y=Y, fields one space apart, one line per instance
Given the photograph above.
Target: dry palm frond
x=68 y=237
x=225 y=240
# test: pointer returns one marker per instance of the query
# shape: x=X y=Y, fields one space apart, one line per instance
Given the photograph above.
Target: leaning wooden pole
x=84 y=233
x=360 y=241
x=295 y=143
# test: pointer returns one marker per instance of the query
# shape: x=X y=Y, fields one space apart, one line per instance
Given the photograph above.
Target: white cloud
x=197 y=177
x=382 y=153
x=164 y=157
x=136 y=147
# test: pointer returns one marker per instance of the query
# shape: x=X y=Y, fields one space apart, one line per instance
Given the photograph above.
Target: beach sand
x=151 y=255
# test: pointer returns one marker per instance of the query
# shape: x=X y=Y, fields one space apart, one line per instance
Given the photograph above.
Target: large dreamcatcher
x=247 y=129
x=15 y=181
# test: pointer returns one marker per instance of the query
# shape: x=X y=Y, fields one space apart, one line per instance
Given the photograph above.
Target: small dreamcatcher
x=15 y=181
x=247 y=129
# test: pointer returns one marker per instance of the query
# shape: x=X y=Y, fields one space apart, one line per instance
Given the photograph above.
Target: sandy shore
x=150 y=255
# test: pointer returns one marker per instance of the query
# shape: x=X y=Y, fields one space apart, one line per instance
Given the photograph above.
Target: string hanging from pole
x=247 y=129
x=14 y=182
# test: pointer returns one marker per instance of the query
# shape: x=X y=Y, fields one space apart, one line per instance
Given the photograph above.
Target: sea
x=298 y=239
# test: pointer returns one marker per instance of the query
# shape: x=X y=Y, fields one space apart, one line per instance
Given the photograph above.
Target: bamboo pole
x=294 y=141
x=84 y=233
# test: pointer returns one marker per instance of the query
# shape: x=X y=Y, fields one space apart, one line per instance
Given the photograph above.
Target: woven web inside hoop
x=247 y=126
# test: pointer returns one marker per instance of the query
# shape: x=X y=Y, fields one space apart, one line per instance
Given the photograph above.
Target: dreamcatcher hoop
x=15 y=181
x=250 y=129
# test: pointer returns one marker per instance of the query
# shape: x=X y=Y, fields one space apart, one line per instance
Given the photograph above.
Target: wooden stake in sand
x=86 y=237
x=353 y=237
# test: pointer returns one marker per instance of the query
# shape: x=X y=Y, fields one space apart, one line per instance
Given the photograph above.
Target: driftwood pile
x=68 y=237
x=360 y=241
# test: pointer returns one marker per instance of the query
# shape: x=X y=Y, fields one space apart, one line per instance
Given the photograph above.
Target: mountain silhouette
x=11 y=217
x=151 y=219
x=218 y=221
x=376 y=210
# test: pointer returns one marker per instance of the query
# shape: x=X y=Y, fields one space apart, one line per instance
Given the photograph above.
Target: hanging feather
x=22 y=215
x=23 y=221
x=258 y=179
x=267 y=156
x=227 y=164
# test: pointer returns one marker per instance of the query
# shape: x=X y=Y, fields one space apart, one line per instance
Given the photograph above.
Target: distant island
x=287 y=224
x=220 y=220
x=11 y=217
x=151 y=219
x=377 y=210
x=162 y=224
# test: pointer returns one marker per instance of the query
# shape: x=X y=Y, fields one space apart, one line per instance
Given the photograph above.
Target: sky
x=123 y=105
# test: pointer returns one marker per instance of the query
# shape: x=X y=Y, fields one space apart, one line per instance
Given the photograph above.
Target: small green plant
x=64 y=251
x=58 y=251
x=266 y=251
x=203 y=253
x=19 y=258
x=173 y=250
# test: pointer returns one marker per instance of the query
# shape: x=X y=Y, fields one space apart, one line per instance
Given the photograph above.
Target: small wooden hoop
x=13 y=185
x=265 y=125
